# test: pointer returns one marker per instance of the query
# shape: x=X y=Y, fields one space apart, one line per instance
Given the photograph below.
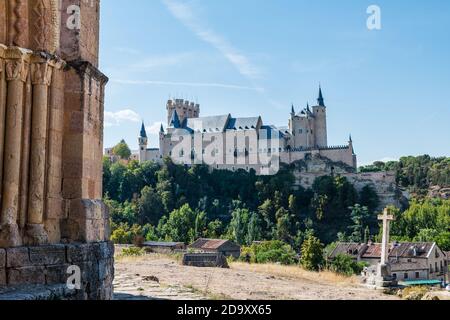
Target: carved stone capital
x=17 y=64
x=41 y=73
x=2 y=50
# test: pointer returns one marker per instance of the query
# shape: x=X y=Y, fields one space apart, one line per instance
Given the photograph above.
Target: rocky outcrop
x=384 y=183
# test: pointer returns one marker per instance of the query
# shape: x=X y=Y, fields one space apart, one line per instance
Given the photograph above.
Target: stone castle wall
x=384 y=183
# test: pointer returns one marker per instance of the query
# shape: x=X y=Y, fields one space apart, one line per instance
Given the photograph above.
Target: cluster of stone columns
x=25 y=80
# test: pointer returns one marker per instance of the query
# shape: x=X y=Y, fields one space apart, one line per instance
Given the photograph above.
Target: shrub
x=133 y=252
x=344 y=264
x=269 y=252
x=414 y=293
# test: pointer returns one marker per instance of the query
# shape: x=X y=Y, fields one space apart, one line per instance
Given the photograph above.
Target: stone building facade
x=225 y=142
x=410 y=261
x=51 y=142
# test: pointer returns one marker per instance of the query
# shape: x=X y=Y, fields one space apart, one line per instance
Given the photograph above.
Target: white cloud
x=186 y=84
x=185 y=14
x=154 y=128
x=117 y=118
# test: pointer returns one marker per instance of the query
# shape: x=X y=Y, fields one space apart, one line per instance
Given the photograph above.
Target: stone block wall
x=48 y=265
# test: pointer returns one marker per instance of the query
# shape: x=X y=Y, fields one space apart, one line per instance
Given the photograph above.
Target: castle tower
x=320 y=122
x=185 y=110
x=143 y=142
x=161 y=140
x=170 y=109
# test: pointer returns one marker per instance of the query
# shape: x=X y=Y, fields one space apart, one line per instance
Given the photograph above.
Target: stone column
x=41 y=73
x=2 y=111
x=17 y=63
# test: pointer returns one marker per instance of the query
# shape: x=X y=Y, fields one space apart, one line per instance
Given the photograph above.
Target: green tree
x=284 y=225
x=150 y=208
x=254 y=232
x=359 y=216
x=182 y=225
x=238 y=227
x=122 y=150
x=312 y=254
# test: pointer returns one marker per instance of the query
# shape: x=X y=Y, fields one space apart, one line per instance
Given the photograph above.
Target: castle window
x=300 y=131
x=417 y=275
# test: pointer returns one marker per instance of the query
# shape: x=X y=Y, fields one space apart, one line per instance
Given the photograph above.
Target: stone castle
x=52 y=217
x=233 y=143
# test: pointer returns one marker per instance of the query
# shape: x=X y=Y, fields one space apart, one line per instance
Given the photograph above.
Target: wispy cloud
x=186 y=84
x=116 y=118
x=157 y=61
x=184 y=13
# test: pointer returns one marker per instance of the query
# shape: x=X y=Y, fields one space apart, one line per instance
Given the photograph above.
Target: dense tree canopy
x=179 y=203
x=416 y=173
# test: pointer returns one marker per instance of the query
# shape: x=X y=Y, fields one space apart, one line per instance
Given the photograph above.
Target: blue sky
x=389 y=88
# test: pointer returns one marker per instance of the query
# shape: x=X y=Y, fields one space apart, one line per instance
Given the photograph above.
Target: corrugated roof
x=209 y=244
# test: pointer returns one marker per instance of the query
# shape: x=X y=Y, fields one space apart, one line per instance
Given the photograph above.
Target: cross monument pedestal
x=383 y=278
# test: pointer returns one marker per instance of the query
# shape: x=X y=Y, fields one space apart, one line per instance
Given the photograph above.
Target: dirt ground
x=161 y=277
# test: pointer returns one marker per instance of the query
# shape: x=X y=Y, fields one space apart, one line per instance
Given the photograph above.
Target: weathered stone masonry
x=51 y=141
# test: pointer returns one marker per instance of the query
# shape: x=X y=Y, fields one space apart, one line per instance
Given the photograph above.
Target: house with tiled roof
x=410 y=261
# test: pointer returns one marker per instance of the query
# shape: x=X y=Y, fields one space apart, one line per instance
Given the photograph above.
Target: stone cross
x=386 y=218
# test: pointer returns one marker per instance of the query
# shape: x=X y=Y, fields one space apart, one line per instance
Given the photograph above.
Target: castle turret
x=175 y=120
x=320 y=121
x=352 y=150
x=320 y=100
x=143 y=142
x=162 y=135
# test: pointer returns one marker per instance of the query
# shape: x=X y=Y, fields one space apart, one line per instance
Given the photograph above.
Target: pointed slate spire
x=350 y=142
x=184 y=124
x=293 y=111
x=320 y=100
x=307 y=107
x=161 y=130
x=143 y=131
x=175 y=121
